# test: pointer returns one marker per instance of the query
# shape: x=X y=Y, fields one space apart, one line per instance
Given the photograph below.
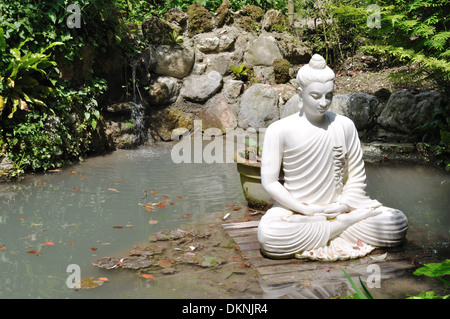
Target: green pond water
x=92 y=210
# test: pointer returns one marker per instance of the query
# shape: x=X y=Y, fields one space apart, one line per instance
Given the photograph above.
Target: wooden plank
x=249 y=224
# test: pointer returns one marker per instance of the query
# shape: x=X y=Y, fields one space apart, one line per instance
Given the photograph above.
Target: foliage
x=175 y=38
x=359 y=294
x=48 y=121
x=434 y=270
x=415 y=32
x=239 y=72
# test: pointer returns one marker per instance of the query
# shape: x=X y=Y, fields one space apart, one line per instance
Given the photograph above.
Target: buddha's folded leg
x=387 y=229
x=279 y=238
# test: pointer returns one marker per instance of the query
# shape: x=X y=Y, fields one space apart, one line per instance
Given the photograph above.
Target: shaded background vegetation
x=54 y=80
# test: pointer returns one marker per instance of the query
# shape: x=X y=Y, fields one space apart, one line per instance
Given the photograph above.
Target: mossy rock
x=281 y=70
x=156 y=31
x=223 y=14
x=199 y=19
x=250 y=18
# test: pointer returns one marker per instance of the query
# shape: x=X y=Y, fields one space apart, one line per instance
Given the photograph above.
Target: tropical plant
x=24 y=79
x=240 y=71
x=433 y=270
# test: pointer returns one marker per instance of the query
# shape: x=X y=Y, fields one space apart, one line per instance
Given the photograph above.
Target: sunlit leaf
x=89 y=283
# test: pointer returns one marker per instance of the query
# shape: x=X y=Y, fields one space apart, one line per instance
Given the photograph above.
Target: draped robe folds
x=323 y=169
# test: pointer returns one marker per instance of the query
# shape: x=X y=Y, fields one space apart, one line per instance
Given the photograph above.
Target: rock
x=171 y=61
x=233 y=88
x=217 y=114
x=199 y=19
x=281 y=70
x=164 y=91
x=275 y=20
x=206 y=42
x=292 y=106
x=156 y=31
x=249 y=18
x=220 y=62
x=163 y=122
x=359 y=107
x=6 y=168
x=176 y=16
x=405 y=111
x=285 y=92
x=223 y=14
x=263 y=51
x=199 y=88
x=259 y=107
x=123 y=108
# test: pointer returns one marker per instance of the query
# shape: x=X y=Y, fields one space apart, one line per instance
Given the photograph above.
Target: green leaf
x=434 y=269
x=358 y=291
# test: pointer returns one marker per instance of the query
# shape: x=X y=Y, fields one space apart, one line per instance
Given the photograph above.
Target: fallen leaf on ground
x=379 y=257
x=164 y=263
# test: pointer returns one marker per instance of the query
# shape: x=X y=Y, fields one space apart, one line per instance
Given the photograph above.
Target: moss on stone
x=281 y=70
x=199 y=19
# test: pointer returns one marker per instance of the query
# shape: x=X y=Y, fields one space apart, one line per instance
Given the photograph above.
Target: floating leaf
x=154 y=192
x=93 y=248
x=179 y=197
x=113 y=190
x=103 y=279
x=32 y=251
x=70 y=242
x=76 y=188
x=117 y=227
x=187 y=216
x=89 y=283
x=153 y=222
x=165 y=197
x=2 y=246
x=50 y=243
x=147 y=276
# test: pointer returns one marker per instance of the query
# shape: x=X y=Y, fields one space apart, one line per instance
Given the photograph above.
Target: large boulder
x=263 y=51
x=405 y=111
x=259 y=107
x=292 y=106
x=199 y=88
x=171 y=61
x=217 y=114
x=361 y=108
x=165 y=123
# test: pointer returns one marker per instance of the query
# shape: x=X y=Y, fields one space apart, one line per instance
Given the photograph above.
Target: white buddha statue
x=321 y=211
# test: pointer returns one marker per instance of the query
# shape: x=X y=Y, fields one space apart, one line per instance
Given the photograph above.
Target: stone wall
x=193 y=79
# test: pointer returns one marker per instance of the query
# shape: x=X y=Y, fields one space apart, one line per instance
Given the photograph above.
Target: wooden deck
x=293 y=278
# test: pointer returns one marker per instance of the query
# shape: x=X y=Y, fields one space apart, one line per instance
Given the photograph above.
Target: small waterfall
x=138 y=110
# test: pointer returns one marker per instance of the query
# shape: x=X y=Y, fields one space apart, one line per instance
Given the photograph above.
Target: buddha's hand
x=312 y=209
x=335 y=209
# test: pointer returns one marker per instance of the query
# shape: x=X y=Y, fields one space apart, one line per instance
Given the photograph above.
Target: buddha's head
x=315 y=85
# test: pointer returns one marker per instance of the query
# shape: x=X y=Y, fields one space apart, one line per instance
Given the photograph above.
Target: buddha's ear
x=300 y=91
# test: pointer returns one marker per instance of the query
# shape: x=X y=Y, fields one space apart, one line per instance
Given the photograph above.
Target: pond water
x=94 y=209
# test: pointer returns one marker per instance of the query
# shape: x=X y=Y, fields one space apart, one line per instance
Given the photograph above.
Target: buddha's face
x=317 y=97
